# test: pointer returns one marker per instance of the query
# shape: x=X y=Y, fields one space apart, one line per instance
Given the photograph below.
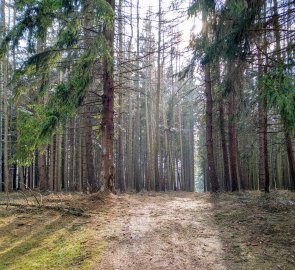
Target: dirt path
x=173 y=230
x=162 y=231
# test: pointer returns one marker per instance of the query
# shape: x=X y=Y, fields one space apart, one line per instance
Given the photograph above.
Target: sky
x=189 y=25
x=186 y=27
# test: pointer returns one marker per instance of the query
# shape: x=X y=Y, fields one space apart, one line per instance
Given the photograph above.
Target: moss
x=52 y=243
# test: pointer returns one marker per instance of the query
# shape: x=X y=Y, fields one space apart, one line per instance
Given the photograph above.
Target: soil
x=173 y=230
x=163 y=231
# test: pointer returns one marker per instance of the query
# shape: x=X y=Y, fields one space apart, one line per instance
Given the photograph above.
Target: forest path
x=161 y=231
x=173 y=230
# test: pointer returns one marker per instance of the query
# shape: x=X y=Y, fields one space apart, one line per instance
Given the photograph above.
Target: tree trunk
x=287 y=135
x=52 y=161
x=157 y=102
x=107 y=123
x=89 y=175
x=224 y=148
x=209 y=132
x=72 y=157
x=191 y=157
x=43 y=180
x=232 y=140
x=57 y=176
x=136 y=140
x=121 y=175
x=5 y=108
x=290 y=155
x=87 y=127
x=262 y=130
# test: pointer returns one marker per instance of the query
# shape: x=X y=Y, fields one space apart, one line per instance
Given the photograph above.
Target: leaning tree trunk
x=107 y=122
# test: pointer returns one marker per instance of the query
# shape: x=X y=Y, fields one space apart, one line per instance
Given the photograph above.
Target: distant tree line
x=90 y=101
x=246 y=51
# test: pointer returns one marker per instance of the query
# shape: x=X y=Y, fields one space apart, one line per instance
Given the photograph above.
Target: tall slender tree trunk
x=232 y=140
x=287 y=135
x=57 y=178
x=5 y=107
x=130 y=165
x=136 y=154
x=72 y=157
x=121 y=175
x=157 y=103
x=290 y=155
x=43 y=179
x=107 y=123
x=89 y=175
x=167 y=153
x=262 y=130
x=129 y=145
x=42 y=170
x=21 y=179
x=1 y=120
x=52 y=161
x=79 y=155
x=262 y=120
x=181 y=135
x=148 y=140
x=191 y=157
x=226 y=173
x=209 y=131
x=224 y=148
x=65 y=158
x=87 y=128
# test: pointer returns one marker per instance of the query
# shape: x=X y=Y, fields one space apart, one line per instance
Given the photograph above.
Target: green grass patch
x=55 y=242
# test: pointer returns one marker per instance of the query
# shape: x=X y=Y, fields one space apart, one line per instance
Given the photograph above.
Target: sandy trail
x=161 y=231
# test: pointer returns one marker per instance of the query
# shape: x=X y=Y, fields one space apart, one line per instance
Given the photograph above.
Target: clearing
x=173 y=230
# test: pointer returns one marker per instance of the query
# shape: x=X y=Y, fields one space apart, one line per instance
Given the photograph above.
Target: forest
x=119 y=116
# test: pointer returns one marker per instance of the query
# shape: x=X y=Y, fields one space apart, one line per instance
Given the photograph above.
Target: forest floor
x=173 y=230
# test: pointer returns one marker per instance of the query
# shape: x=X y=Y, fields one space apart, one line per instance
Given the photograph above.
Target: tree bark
x=136 y=140
x=52 y=161
x=5 y=108
x=290 y=154
x=121 y=175
x=157 y=102
x=87 y=127
x=209 y=131
x=232 y=140
x=224 y=148
x=72 y=143
x=107 y=123
x=43 y=180
x=89 y=176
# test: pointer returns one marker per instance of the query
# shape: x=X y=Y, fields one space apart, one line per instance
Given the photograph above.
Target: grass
x=45 y=239
x=257 y=229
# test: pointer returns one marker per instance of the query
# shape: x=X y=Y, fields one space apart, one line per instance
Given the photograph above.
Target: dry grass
x=180 y=230
x=258 y=229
